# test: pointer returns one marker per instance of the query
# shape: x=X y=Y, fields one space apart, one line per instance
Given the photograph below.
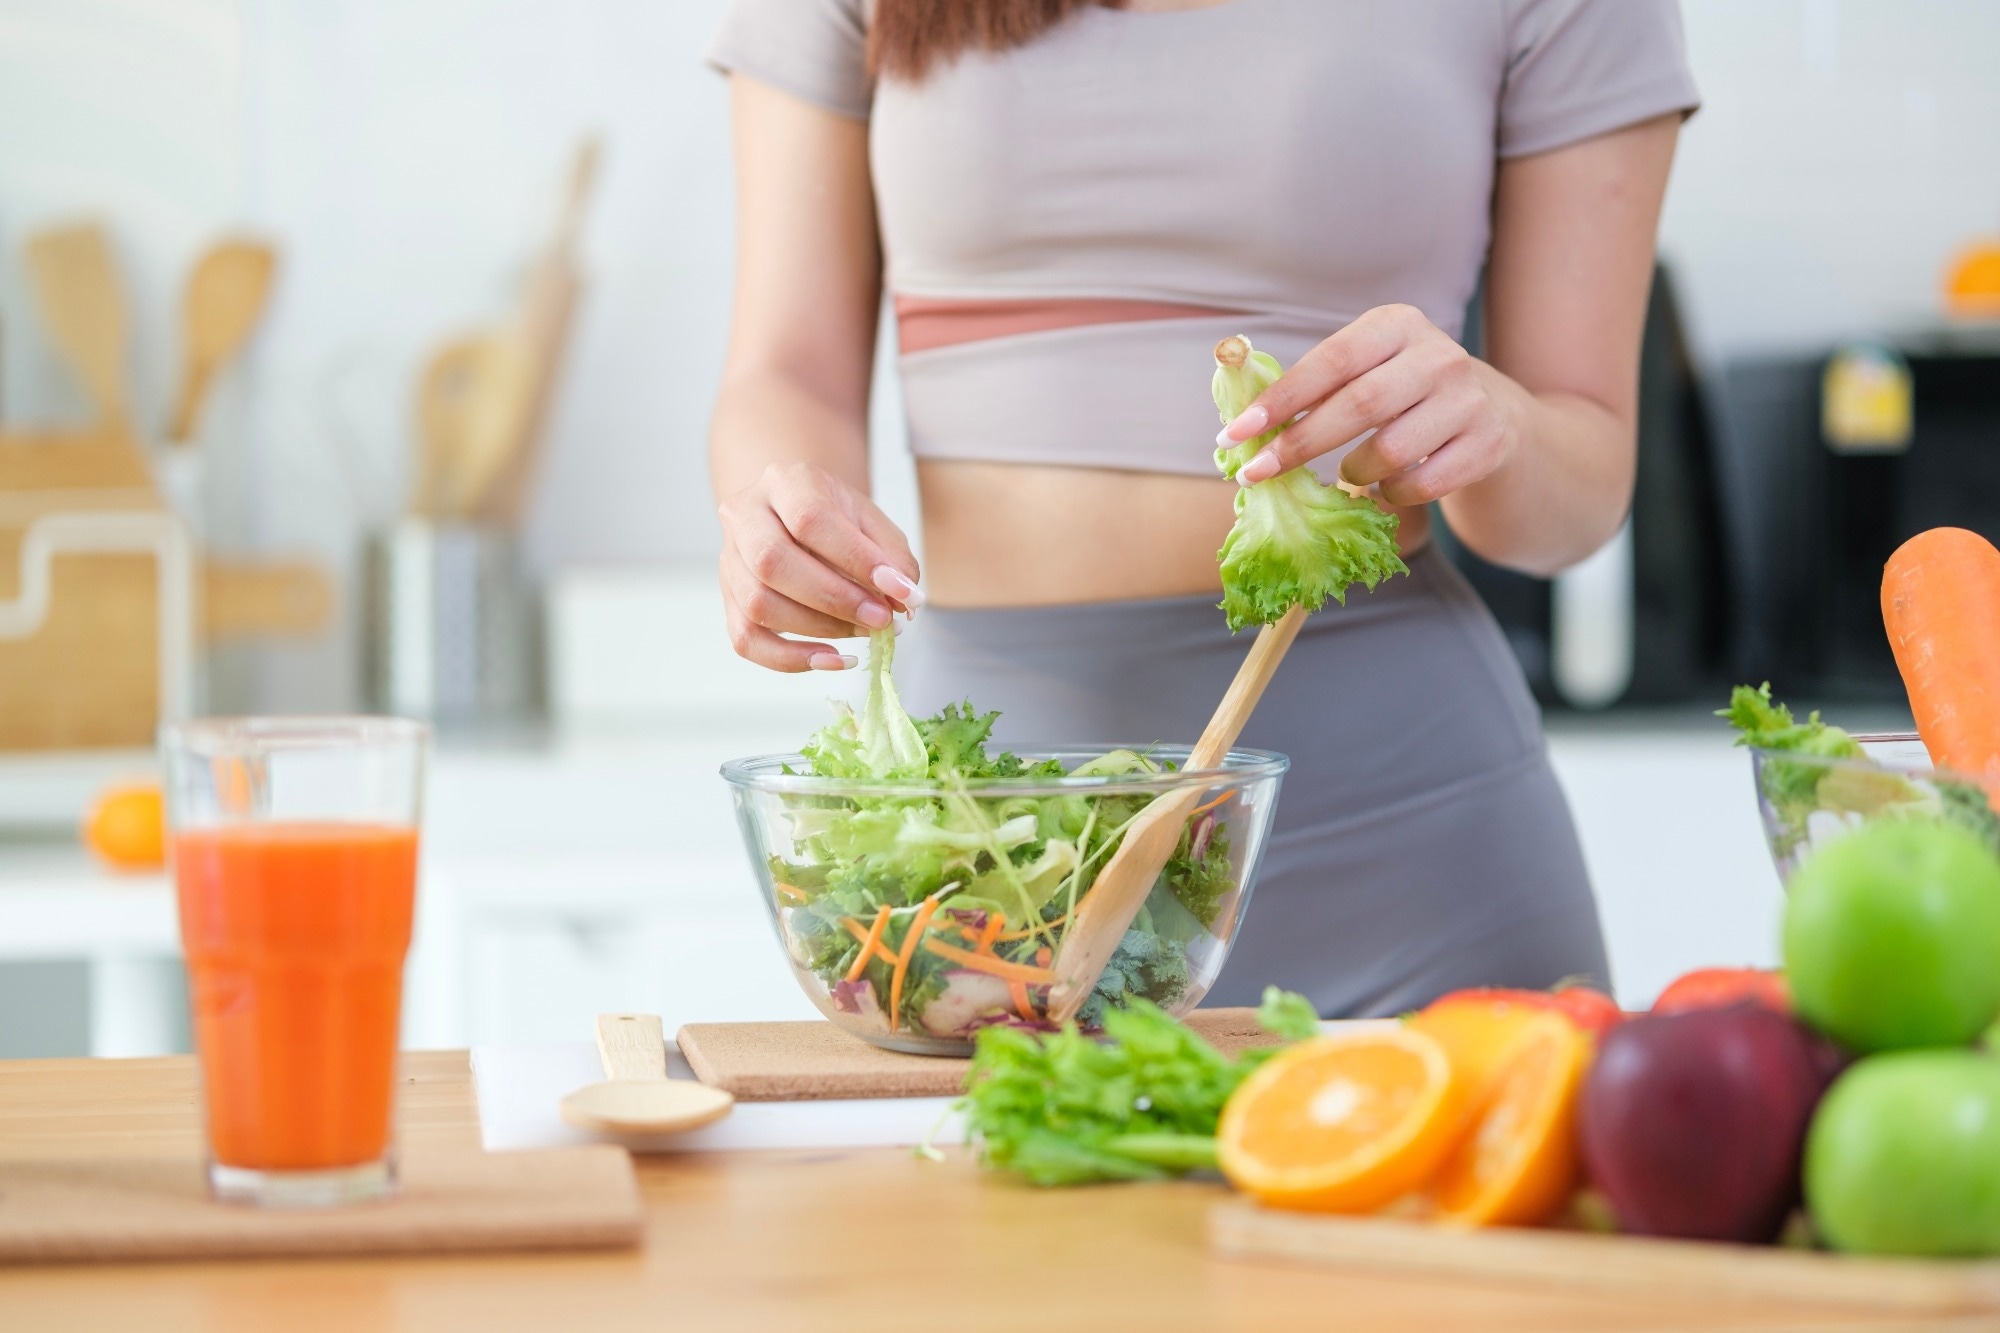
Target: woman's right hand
x=805 y=553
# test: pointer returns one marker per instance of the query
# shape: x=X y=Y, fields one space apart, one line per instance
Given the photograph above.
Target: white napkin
x=519 y=1087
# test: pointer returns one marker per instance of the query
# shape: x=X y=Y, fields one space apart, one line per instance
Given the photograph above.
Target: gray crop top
x=1111 y=159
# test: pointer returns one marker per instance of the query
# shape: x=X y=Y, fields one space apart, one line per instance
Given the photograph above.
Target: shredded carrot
x=1018 y=991
x=869 y=943
x=994 y=925
x=881 y=950
x=792 y=891
x=1042 y=956
x=992 y=966
x=1009 y=937
x=1210 y=805
x=916 y=932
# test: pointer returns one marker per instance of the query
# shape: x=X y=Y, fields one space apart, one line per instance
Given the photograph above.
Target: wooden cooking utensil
x=639 y=1098
x=474 y=394
x=83 y=311
x=1106 y=912
x=483 y=397
x=225 y=295
x=288 y=599
x=96 y=469
x=449 y=417
x=498 y=482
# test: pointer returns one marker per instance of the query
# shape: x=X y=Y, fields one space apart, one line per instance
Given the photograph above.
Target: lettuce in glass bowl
x=1815 y=782
x=917 y=910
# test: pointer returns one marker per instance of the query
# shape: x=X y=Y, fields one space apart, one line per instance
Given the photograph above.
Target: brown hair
x=907 y=37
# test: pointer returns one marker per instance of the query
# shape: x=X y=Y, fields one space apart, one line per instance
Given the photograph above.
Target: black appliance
x=1673 y=588
x=1815 y=525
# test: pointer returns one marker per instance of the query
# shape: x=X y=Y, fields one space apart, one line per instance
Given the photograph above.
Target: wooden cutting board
x=451 y=1200
x=1631 y=1264
x=795 y=1062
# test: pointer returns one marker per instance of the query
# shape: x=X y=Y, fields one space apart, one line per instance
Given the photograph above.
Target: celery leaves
x=1062 y=1109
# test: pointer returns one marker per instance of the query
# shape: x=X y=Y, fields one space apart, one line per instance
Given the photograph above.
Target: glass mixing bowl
x=991 y=871
x=1808 y=800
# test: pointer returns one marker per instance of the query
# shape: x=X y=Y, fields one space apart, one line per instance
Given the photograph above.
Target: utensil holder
x=453 y=624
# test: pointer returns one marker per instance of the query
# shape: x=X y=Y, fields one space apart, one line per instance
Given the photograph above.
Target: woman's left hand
x=1441 y=417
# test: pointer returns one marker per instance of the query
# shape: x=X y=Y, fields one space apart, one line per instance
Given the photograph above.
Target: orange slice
x=1342 y=1124
x=1477 y=1030
x=1518 y=1163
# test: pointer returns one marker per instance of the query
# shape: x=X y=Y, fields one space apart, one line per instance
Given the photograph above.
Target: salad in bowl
x=921 y=881
x=1816 y=782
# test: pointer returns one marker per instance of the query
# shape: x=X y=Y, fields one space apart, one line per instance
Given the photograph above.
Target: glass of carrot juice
x=294 y=850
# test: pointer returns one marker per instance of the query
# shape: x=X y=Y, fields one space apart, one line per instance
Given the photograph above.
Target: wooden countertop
x=873 y=1239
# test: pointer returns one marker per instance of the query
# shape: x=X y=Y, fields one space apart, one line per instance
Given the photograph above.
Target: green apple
x=1892 y=937
x=1903 y=1156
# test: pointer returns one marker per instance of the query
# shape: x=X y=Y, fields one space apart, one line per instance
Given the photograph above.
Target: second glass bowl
x=1807 y=800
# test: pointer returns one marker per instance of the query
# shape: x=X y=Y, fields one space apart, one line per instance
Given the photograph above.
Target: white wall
x=127 y=109
x=1844 y=151
x=404 y=152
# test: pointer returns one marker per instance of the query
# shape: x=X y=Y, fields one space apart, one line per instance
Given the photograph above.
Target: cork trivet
x=794 y=1062
x=450 y=1200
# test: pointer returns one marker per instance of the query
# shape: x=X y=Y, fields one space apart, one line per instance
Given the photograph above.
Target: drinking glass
x=294 y=850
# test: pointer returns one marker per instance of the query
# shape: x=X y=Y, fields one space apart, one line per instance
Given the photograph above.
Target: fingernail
x=1261 y=468
x=891 y=580
x=833 y=661
x=872 y=614
x=1253 y=420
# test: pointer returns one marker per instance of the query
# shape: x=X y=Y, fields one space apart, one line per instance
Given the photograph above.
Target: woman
x=1070 y=204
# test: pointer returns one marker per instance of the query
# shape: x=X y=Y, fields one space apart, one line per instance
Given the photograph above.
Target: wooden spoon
x=225 y=295
x=639 y=1098
x=83 y=311
x=450 y=417
x=497 y=481
x=1106 y=912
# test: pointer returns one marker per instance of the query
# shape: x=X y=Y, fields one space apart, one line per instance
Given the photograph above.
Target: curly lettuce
x=1795 y=789
x=879 y=741
x=1142 y=1104
x=977 y=852
x=1296 y=541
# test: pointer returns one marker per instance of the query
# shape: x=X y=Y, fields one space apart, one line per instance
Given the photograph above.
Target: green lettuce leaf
x=1296 y=541
x=1796 y=789
x=1766 y=725
x=1029 y=857
x=1287 y=1014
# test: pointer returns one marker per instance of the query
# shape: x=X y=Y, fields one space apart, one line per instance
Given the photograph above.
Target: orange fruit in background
x=1477 y=1029
x=127 y=827
x=1589 y=1008
x=1972 y=284
x=1518 y=1162
x=1343 y=1124
x=1715 y=987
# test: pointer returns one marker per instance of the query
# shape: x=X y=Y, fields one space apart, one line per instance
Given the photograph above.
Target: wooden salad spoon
x=638 y=1097
x=1106 y=912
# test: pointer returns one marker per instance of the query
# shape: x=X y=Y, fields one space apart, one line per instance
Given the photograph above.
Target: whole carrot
x=1941 y=606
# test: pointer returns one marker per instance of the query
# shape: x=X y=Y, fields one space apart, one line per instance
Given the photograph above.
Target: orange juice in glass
x=294 y=847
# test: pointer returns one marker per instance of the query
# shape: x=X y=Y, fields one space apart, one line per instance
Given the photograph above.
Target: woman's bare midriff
x=1013 y=534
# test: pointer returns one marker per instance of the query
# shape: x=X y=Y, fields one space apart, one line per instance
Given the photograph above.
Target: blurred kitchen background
x=358 y=354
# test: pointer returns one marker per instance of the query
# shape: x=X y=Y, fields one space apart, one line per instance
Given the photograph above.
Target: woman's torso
x=1266 y=167
x=1290 y=162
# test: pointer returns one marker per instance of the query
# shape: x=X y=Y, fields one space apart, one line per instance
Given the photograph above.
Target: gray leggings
x=1421 y=842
